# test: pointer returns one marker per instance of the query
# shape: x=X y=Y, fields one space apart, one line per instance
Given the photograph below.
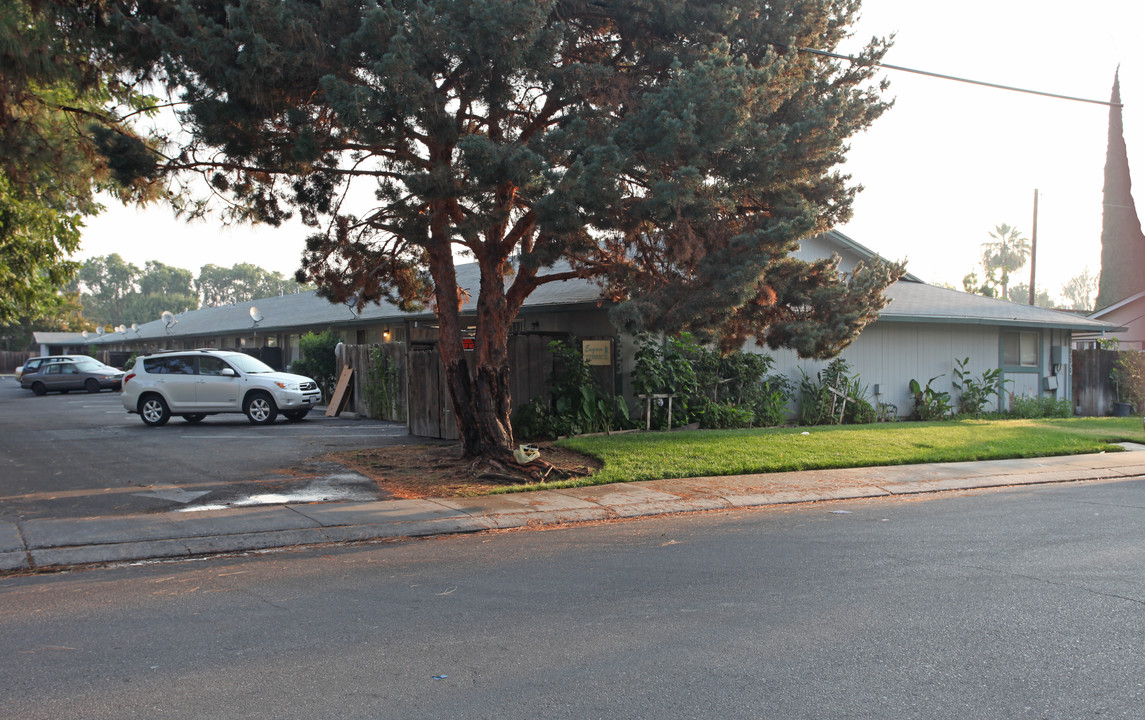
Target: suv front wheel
x=154 y=411
x=260 y=408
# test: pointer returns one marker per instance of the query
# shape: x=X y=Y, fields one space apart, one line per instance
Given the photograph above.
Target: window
x=170 y=366
x=209 y=365
x=1020 y=349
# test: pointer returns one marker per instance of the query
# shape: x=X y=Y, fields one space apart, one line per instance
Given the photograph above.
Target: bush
x=770 y=405
x=819 y=406
x=1128 y=378
x=929 y=404
x=317 y=359
x=577 y=405
x=534 y=421
x=707 y=386
x=668 y=369
x=1044 y=406
x=722 y=416
x=975 y=393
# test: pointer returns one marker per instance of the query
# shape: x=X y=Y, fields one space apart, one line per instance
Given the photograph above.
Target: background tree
x=63 y=111
x=1006 y=254
x=673 y=151
x=1020 y=294
x=1080 y=293
x=106 y=284
x=241 y=283
x=974 y=285
x=161 y=287
x=58 y=312
x=1122 y=241
x=116 y=292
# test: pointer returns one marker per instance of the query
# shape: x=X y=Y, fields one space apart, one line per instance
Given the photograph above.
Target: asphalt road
x=80 y=455
x=1016 y=603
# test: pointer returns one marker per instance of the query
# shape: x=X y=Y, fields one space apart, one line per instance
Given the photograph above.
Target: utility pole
x=1034 y=250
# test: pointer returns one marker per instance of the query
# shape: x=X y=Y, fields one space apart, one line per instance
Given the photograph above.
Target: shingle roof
x=57 y=338
x=911 y=301
x=307 y=310
x=919 y=302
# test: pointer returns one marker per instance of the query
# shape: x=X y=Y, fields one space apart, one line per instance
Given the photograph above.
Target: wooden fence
x=393 y=399
x=423 y=401
x=1093 y=392
x=10 y=360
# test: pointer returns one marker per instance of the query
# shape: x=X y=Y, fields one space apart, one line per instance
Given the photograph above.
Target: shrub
x=819 y=406
x=534 y=421
x=577 y=406
x=317 y=359
x=929 y=404
x=975 y=393
x=698 y=378
x=722 y=416
x=770 y=405
x=667 y=369
x=1043 y=406
x=1128 y=378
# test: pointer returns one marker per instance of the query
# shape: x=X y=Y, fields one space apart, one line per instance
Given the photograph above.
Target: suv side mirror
x=228 y=372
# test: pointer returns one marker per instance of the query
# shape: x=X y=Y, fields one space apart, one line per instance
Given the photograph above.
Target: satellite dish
x=255 y=314
x=166 y=317
x=121 y=328
x=84 y=334
x=99 y=331
x=135 y=327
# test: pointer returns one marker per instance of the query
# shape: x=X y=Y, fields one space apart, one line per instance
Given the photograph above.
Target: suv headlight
x=287 y=386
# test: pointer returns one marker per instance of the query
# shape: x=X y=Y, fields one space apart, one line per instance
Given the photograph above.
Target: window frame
x=1017 y=335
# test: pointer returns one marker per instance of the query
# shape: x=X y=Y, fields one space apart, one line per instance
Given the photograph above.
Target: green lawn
x=652 y=456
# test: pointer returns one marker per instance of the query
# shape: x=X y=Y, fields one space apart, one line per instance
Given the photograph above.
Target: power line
x=927 y=73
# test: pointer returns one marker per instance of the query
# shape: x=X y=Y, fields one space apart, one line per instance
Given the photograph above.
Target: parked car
x=63 y=376
x=196 y=383
x=35 y=363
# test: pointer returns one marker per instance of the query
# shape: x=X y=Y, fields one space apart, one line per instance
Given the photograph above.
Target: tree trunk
x=480 y=395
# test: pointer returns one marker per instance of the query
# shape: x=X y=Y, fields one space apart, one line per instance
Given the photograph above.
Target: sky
x=940 y=170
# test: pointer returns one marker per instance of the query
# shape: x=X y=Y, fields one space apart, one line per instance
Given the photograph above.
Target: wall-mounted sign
x=466 y=343
x=597 y=352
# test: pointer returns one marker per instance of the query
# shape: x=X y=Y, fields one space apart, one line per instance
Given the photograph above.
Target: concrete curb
x=40 y=545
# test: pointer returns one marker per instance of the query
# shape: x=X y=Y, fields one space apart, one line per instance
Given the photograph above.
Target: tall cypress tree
x=1122 y=243
x=674 y=151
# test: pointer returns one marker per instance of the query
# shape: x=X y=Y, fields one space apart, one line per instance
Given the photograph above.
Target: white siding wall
x=818 y=247
x=892 y=354
x=1027 y=384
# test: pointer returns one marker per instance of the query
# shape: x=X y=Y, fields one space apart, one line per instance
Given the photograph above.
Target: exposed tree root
x=510 y=471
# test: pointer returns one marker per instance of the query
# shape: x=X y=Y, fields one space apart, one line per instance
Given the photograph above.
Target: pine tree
x=674 y=151
x=1122 y=243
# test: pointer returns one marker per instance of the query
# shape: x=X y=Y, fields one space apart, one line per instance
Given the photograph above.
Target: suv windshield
x=248 y=364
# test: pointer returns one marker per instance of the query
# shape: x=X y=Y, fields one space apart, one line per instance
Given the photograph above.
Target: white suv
x=198 y=383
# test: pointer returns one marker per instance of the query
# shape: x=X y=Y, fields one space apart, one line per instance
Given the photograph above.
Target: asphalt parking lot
x=82 y=455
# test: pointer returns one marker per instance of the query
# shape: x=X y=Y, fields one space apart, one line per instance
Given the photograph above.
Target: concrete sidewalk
x=35 y=545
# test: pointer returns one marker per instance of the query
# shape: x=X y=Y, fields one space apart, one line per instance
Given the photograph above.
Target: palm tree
x=1005 y=255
